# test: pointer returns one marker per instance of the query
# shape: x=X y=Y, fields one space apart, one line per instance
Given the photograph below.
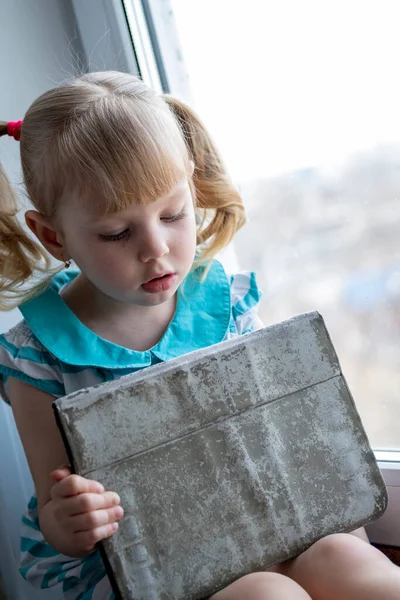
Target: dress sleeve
x=245 y=299
x=23 y=357
x=43 y=567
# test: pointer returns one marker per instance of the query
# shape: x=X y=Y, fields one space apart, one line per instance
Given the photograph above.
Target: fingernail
x=116 y=499
x=114 y=526
x=100 y=488
x=118 y=512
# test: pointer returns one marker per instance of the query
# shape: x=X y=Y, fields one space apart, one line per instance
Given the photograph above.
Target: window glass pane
x=303 y=101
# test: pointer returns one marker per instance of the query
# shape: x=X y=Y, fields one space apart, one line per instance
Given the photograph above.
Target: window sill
x=387 y=529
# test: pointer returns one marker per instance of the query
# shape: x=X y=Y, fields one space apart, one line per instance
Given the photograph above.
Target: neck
x=128 y=325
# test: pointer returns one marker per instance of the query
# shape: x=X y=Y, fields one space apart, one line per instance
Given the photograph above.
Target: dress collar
x=201 y=319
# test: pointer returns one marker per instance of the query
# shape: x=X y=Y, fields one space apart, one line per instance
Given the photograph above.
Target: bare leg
x=262 y=586
x=361 y=533
x=283 y=567
x=343 y=566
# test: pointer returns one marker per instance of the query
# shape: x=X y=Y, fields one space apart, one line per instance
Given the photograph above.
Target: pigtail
x=223 y=210
x=20 y=257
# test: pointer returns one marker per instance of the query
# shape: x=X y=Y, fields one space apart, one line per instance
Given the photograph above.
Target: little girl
x=128 y=185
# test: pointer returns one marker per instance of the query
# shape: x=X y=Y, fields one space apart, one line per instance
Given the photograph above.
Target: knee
x=261 y=581
x=258 y=586
x=337 y=546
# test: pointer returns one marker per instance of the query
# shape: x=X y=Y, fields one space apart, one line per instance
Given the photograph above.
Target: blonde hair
x=110 y=132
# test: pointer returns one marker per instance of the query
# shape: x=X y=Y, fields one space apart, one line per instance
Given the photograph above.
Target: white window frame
x=110 y=44
x=158 y=14
x=145 y=53
x=387 y=529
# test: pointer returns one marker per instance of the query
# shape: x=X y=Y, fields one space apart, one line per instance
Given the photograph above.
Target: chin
x=145 y=299
x=154 y=300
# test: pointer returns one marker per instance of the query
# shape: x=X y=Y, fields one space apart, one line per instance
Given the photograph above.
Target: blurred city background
x=331 y=242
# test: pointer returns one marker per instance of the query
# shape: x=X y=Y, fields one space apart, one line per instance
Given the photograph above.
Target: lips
x=158 y=276
x=161 y=283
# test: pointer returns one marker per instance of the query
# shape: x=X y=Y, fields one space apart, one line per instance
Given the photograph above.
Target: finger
x=75 y=484
x=60 y=473
x=87 y=539
x=83 y=503
x=96 y=518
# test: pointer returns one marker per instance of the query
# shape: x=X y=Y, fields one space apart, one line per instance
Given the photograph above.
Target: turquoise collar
x=201 y=319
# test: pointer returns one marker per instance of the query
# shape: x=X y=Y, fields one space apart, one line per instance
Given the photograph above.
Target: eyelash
x=120 y=236
x=115 y=237
x=177 y=217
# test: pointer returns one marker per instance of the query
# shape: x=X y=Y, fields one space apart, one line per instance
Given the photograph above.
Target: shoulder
x=245 y=293
x=23 y=357
x=245 y=298
x=20 y=341
x=236 y=296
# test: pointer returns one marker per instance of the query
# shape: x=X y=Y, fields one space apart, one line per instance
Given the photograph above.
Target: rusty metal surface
x=227 y=460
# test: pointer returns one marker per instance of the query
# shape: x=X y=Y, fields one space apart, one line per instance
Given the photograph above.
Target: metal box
x=227 y=460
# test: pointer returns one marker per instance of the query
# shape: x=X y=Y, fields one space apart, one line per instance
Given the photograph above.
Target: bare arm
x=74 y=512
x=40 y=437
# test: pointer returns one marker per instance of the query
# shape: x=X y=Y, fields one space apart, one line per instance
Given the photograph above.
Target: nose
x=152 y=244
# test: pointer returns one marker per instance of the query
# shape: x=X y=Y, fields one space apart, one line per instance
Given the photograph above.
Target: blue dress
x=53 y=351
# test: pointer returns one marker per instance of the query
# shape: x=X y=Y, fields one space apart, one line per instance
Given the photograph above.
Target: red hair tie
x=14 y=129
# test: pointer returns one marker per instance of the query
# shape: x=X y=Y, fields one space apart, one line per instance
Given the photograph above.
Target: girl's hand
x=84 y=512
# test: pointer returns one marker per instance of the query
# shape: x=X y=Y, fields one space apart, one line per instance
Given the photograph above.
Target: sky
x=288 y=84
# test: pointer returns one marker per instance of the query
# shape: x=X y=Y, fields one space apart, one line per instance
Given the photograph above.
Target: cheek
x=100 y=261
x=184 y=241
x=111 y=272
x=113 y=262
x=191 y=227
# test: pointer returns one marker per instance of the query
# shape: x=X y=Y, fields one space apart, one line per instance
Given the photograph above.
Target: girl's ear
x=44 y=230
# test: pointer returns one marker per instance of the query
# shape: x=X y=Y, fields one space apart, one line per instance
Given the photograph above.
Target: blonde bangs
x=119 y=149
x=121 y=156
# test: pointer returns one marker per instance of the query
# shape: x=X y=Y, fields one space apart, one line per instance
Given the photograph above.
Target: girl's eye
x=173 y=218
x=114 y=237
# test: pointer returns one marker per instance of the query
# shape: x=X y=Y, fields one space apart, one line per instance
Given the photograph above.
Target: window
x=302 y=99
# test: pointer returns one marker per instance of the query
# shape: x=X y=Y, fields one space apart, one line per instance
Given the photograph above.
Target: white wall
x=39 y=47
